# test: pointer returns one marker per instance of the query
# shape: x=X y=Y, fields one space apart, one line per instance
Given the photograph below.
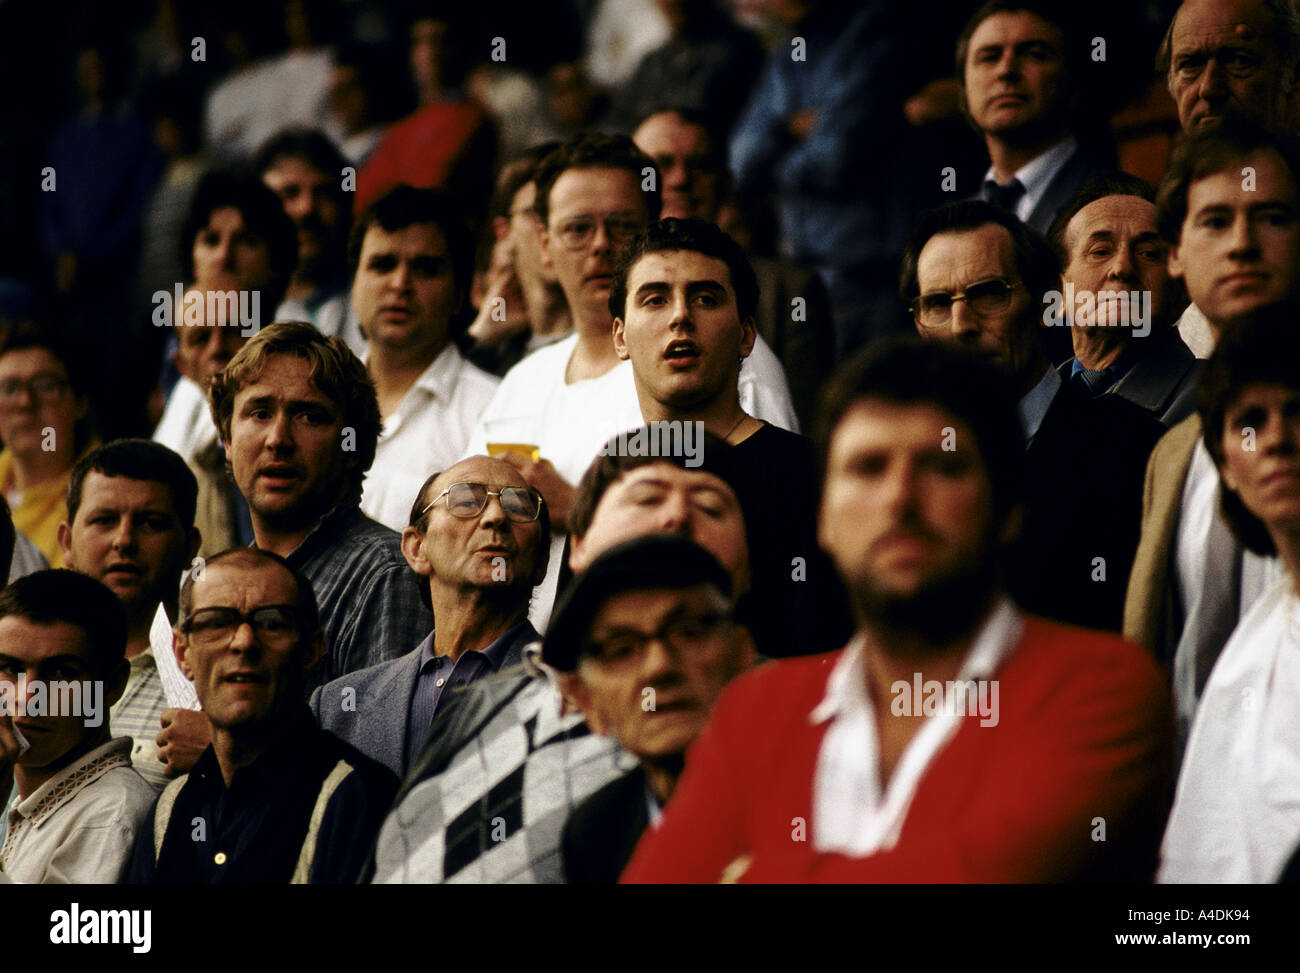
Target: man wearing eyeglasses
x=977 y=276
x=479 y=538
x=647 y=634
x=273 y=799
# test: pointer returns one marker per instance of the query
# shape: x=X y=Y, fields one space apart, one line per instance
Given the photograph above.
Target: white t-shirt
x=1236 y=814
x=426 y=434
x=186 y=425
x=570 y=422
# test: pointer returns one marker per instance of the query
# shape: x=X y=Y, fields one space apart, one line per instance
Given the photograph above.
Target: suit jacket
x=1083 y=510
x=375 y=718
x=603 y=830
x=1153 y=611
x=1161 y=382
x=1078 y=169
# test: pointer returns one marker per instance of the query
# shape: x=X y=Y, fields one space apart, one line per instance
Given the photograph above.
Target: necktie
x=1094 y=382
x=1004 y=197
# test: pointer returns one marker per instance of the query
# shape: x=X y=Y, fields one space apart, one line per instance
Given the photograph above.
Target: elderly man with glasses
x=273 y=799
x=975 y=275
x=479 y=538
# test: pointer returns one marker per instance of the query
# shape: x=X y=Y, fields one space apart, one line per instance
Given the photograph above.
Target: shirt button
x=440 y=682
x=219 y=858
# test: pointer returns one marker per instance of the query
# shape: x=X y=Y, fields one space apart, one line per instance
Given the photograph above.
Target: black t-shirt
x=796 y=604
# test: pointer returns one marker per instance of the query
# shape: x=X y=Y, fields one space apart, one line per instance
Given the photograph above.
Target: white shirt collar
x=851 y=813
x=1036 y=174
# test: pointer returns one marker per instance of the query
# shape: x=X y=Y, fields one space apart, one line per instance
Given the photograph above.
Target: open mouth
x=131 y=570
x=254 y=678
x=682 y=351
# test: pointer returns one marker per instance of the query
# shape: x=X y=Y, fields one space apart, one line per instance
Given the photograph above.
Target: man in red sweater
x=954 y=739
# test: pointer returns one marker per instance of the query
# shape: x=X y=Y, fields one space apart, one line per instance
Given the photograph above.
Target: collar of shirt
x=851 y=813
x=60 y=788
x=1116 y=370
x=1033 y=406
x=495 y=653
x=652 y=809
x=327 y=532
x=1036 y=174
x=275 y=767
x=437 y=381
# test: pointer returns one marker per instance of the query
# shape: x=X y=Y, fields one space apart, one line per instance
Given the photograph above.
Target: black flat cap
x=652 y=561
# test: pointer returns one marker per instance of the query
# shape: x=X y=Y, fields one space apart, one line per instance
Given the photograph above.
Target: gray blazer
x=376 y=717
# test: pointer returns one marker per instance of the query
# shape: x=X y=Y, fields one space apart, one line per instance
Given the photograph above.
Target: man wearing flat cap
x=648 y=638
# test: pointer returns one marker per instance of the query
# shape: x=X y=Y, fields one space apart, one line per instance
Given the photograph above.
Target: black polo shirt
x=253 y=831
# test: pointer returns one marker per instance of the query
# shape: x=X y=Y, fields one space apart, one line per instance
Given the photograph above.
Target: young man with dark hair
x=79 y=804
x=683 y=298
x=411 y=257
x=1229 y=208
x=562 y=402
x=1019 y=68
x=300 y=423
x=306 y=172
x=281 y=801
x=478 y=540
x=908 y=755
x=1118 y=301
x=131 y=526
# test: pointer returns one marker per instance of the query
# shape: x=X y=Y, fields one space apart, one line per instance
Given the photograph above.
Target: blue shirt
x=439 y=672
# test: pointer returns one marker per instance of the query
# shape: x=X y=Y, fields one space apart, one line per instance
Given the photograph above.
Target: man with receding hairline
x=479 y=540
x=273 y=799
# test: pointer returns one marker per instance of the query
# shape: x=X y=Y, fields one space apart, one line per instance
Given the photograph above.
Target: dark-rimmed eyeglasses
x=274 y=625
x=984 y=297
x=686 y=633
x=466 y=500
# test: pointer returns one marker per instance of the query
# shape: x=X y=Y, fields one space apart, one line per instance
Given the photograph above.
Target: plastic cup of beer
x=511 y=435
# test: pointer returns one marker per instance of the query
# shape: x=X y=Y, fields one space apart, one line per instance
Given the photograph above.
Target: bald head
x=1232 y=57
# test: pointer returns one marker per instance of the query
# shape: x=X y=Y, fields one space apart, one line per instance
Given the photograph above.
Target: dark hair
x=1285 y=34
x=27 y=333
x=308 y=144
x=139 y=459
x=1211 y=149
x=713 y=126
x=404 y=206
x=1262 y=347
x=1098 y=187
x=908 y=370
x=717 y=458
x=697 y=236
x=419 y=519
x=596 y=151
x=8 y=538
x=1073 y=50
x=47 y=597
x=307 y=609
x=516 y=174
x=335 y=371
x=263 y=215
x=1035 y=262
